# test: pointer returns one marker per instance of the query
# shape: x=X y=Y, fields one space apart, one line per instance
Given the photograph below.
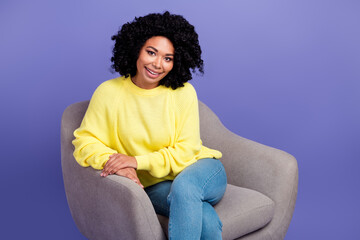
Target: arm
x=93 y=139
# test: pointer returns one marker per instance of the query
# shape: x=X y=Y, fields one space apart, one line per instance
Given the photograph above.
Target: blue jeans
x=188 y=200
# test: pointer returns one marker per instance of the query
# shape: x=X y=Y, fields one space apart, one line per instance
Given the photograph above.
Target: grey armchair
x=258 y=203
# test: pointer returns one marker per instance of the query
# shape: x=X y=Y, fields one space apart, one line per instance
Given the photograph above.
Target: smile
x=152 y=73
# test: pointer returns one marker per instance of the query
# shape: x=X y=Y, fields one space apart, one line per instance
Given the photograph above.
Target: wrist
x=135 y=162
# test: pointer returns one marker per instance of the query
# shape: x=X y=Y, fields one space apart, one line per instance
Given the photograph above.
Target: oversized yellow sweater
x=159 y=127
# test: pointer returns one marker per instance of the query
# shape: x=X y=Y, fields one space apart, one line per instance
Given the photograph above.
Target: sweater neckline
x=142 y=91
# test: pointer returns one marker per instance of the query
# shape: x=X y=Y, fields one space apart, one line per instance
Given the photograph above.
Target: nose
x=157 y=62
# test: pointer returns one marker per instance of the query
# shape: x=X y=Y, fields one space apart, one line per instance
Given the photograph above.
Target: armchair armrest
x=103 y=208
x=255 y=166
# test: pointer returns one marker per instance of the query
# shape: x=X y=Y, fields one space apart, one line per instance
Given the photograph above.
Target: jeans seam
x=211 y=177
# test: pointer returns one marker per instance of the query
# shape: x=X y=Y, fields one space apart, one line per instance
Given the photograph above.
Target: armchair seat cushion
x=241 y=211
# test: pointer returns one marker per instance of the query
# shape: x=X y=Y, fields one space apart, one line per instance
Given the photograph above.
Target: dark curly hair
x=133 y=35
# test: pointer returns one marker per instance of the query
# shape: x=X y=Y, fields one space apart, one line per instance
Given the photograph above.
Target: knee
x=184 y=190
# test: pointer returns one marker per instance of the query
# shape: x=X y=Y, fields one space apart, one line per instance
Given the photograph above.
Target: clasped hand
x=121 y=165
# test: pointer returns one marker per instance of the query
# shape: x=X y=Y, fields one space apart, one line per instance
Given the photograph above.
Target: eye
x=168 y=59
x=151 y=53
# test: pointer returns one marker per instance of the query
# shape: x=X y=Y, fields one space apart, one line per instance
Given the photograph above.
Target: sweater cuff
x=143 y=162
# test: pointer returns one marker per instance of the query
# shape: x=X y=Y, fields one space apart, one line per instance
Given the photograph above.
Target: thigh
x=158 y=194
x=206 y=176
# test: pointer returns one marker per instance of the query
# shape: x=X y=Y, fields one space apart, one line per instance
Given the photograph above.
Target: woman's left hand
x=116 y=162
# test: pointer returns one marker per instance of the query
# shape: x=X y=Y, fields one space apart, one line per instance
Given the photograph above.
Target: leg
x=202 y=181
x=158 y=194
x=211 y=224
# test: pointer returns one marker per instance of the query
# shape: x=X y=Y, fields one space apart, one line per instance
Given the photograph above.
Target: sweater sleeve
x=92 y=138
x=173 y=159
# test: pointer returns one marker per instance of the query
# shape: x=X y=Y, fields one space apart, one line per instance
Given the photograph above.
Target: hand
x=116 y=162
x=131 y=174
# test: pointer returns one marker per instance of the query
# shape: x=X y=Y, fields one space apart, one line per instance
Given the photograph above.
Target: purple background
x=283 y=73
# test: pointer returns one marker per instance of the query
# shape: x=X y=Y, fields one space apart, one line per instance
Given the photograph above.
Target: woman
x=144 y=125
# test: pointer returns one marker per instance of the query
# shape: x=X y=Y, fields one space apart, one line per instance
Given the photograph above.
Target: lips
x=155 y=74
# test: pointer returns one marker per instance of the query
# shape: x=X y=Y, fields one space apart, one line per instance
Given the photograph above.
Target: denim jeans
x=188 y=200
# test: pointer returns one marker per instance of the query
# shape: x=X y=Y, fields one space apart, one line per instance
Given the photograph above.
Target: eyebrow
x=168 y=54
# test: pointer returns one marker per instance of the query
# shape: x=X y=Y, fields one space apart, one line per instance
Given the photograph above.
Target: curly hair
x=133 y=35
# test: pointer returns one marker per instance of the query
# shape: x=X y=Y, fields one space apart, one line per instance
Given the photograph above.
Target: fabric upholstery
x=253 y=211
x=258 y=203
x=255 y=166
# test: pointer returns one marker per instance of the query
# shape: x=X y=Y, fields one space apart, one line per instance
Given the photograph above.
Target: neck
x=143 y=85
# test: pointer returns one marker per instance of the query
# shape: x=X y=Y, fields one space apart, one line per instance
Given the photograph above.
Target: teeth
x=152 y=72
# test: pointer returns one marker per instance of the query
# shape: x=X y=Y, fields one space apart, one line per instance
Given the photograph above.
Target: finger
x=134 y=175
x=136 y=180
x=115 y=168
x=113 y=156
x=111 y=164
x=121 y=172
x=142 y=186
x=139 y=183
x=131 y=174
x=107 y=164
x=119 y=164
x=126 y=173
x=125 y=162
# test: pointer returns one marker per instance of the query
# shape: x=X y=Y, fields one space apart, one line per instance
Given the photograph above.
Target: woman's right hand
x=131 y=174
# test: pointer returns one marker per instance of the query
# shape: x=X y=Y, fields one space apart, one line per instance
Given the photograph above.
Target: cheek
x=169 y=66
x=142 y=60
x=138 y=63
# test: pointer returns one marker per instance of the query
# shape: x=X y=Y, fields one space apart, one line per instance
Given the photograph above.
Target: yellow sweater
x=159 y=127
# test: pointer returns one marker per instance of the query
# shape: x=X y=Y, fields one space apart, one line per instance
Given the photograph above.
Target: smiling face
x=155 y=61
